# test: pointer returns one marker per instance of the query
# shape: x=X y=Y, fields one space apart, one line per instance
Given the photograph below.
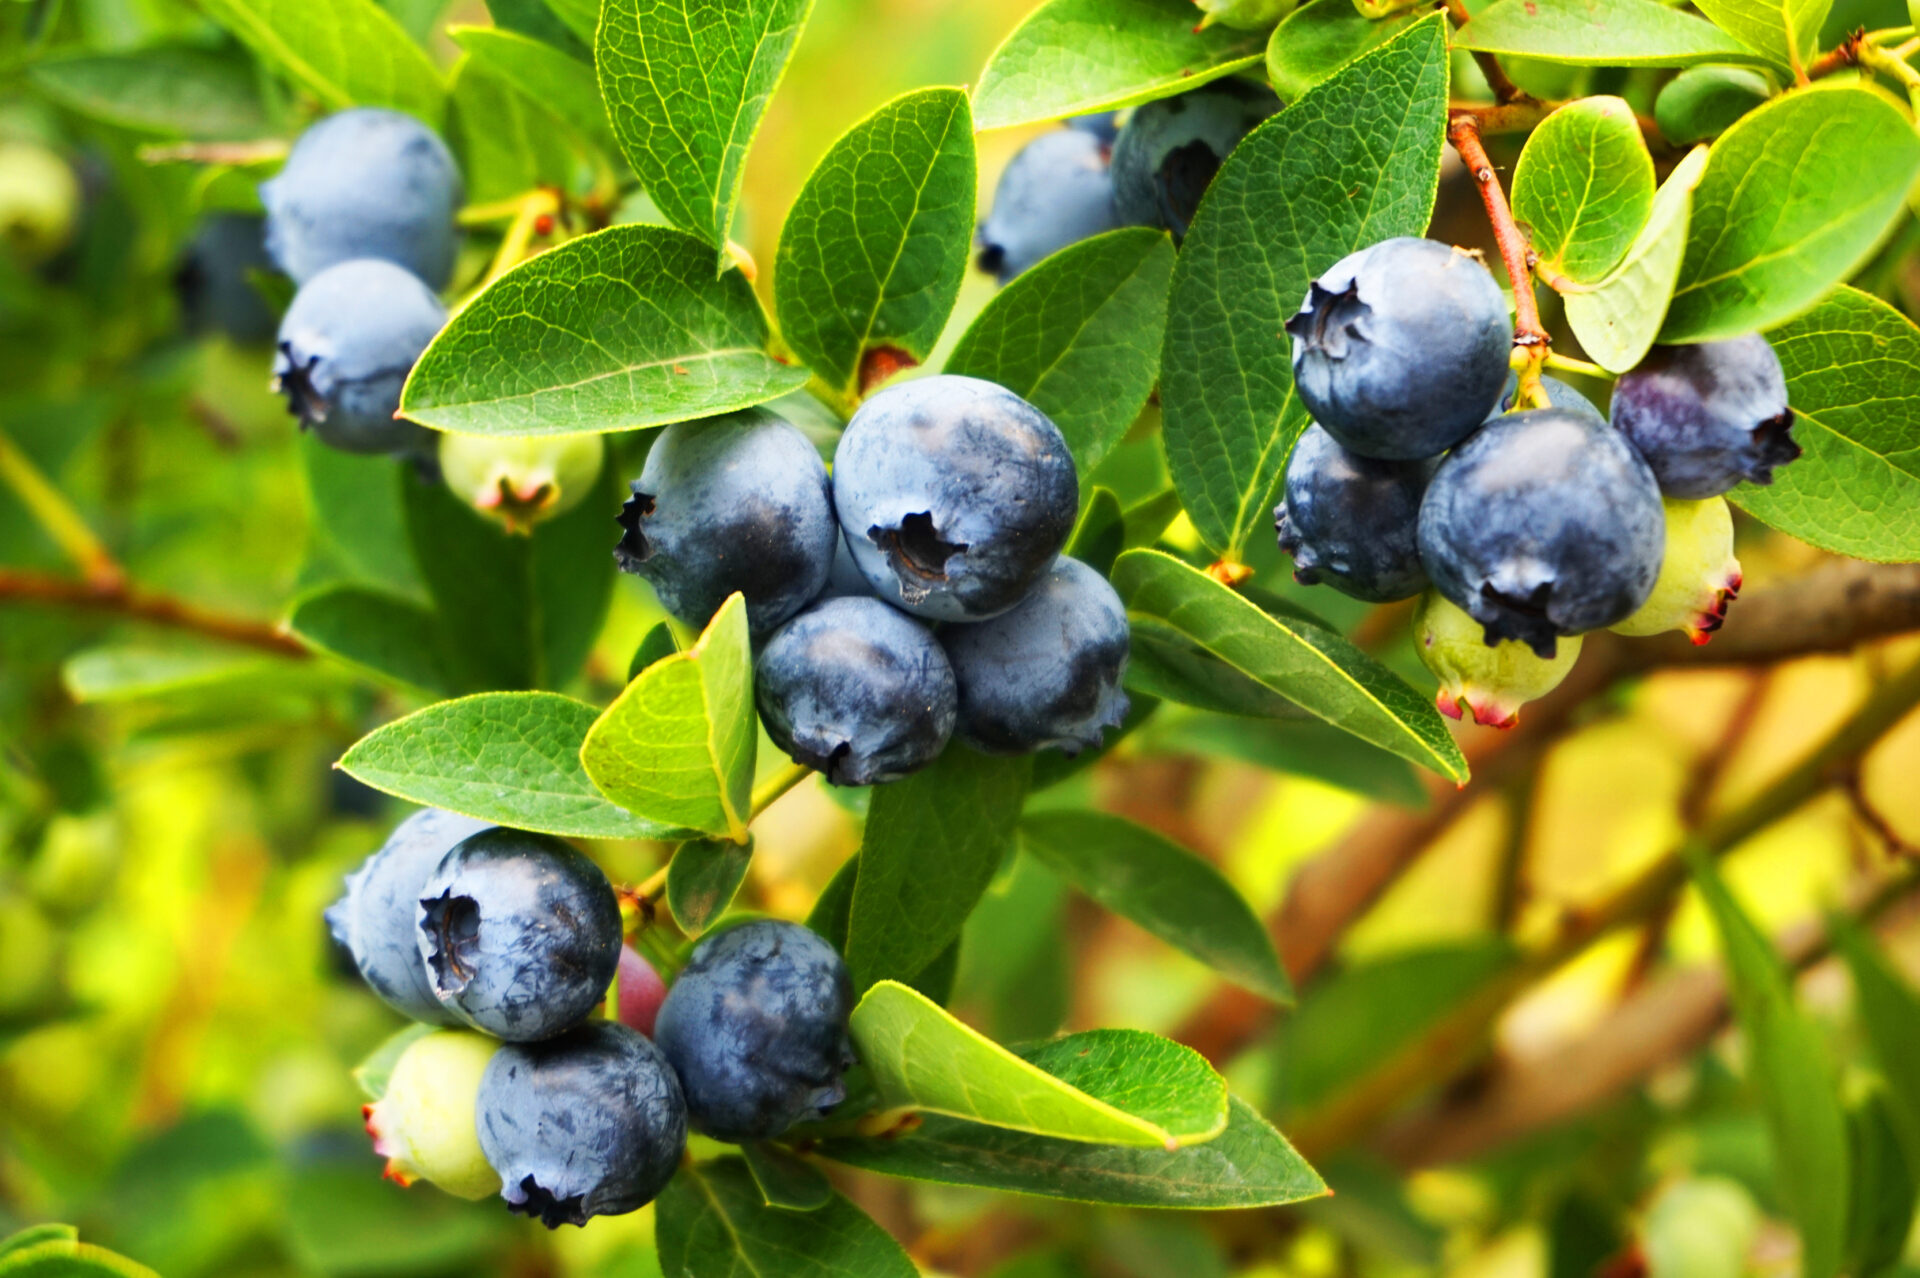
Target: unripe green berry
x=520 y=482
x=1699 y=577
x=1489 y=682
x=1247 y=15
x=424 y=1125
x=39 y=200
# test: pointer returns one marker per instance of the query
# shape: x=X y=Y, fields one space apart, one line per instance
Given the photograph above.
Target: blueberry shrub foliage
x=796 y=657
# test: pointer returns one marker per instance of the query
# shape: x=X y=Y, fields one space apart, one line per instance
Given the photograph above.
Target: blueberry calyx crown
x=451 y=924
x=916 y=553
x=991 y=258
x=304 y=400
x=1330 y=319
x=547 y=1207
x=1522 y=617
x=634 y=548
x=1773 y=445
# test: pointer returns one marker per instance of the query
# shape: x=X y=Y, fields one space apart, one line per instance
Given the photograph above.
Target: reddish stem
x=1463 y=131
x=127 y=600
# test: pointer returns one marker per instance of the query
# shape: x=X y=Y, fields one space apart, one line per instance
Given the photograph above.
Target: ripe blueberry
x=1169 y=150
x=1545 y=523
x=1400 y=350
x=1559 y=395
x=756 y=1028
x=1104 y=125
x=521 y=482
x=211 y=282
x=1699 y=577
x=1048 y=672
x=424 y=1124
x=739 y=502
x=346 y=346
x=374 y=919
x=587 y=1124
x=1708 y=417
x=520 y=933
x=844 y=578
x=856 y=689
x=1490 y=683
x=364 y=183
x=1055 y=192
x=955 y=494
x=1348 y=521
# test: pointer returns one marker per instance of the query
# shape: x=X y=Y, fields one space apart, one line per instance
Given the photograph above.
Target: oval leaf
x=1584 y=187
x=702 y=879
x=344 y=52
x=1319 y=38
x=784 y=1178
x=383 y=633
x=559 y=83
x=712 y=1222
x=1639 y=33
x=1785 y=31
x=185 y=93
x=1618 y=318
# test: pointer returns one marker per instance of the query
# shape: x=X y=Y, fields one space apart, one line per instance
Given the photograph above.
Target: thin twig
x=1504 y=89
x=56 y=515
x=1853 y=785
x=1529 y=334
x=122 y=598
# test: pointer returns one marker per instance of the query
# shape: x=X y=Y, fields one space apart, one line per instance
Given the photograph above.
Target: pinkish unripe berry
x=1699 y=578
x=638 y=992
x=424 y=1125
x=1489 y=682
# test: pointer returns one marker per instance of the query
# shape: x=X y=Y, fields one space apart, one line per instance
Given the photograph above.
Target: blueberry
x=1401 y=349
x=1056 y=191
x=856 y=689
x=587 y=1124
x=844 y=578
x=1708 y=417
x=521 y=482
x=423 y=1124
x=1559 y=395
x=1545 y=523
x=739 y=502
x=374 y=919
x=346 y=346
x=365 y=183
x=1348 y=521
x=955 y=494
x=520 y=933
x=1699 y=576
x=1488 y=682
x=212 y=281
x=756 y=1028
x=1047 y=673
x=1169 y=150
x=1104 y=125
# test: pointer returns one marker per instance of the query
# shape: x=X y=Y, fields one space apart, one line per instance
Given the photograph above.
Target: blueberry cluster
x=917 y=593
x=1094 y=175
x=565 y=1114
x=1530 y=525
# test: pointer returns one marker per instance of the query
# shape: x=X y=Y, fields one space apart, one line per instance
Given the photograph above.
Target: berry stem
x=120 y=596
x=56 y=516
x=1504 y=89
x=1888 y=63
x=535 y=205
x=1568 y=364
x=776 y=785
x=1463 y=131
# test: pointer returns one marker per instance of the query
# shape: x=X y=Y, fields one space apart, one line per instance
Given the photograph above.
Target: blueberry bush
x=874 y=639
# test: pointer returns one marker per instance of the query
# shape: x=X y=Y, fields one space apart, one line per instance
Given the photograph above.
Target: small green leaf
x=677 y=746
x=1639 y=33
x=1584 y=187
x=62 y=1259
x=1796 y=196
x=657 y=645
x=875 y=246
x=1078 y=337
x=35 y=1235
x=373 y=1073
x=687 y=82
x=1889 y=1011
x=1618 y=318
x=172 y=92
x=932 y=844
x=561 y=84
x=1101 y=534
x=1785 y=31
x=1853 y=378
x=1171 y=666
x=1788 y=1067
x=1311 y=667
x=712 y=1222
x=1069 y=57
x=1247 y=1165
x=1702 y=102
x=1110 y=1087
x=381 y=632
x=620 y=329
x=357 y=516
x=121 y=674
x=1300 y=747
x=480 y=579
x=1166 y=889
x=581 y=18
x=344 y=52
x=786 y=1180
x=1319 y=38
x=1880 y=1215
x=506 y=143
x=702 y=880
x=510 y=757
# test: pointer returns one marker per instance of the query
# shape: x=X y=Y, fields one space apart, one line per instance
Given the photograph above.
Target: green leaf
x=1639 y=33
x=1247 y=1165
x=34 y=1235
x=657 y=644
x=624 y=328
x=561 y=84
x=1788 y=1066
x=63 y=1259
x=1315 y=669
x=1618 y=318
x=1785 y=31
x=172 y=92
x=1171 y=666
x=1889 y=1010
x=677 y=746
x=1078 y=337
x=1853 y=378
x=1584 y=187
x=1796 y=195
x=506 y=143
x=1319 y=38
x=687 y=82
x=702 y=880
x=713 y=1223
x=580 y=17
x=344 y=52
x=1070 y=57
x=391 y=636
x=785 y=1179
x=480 y=579
x=1101 y=533
x=509 y=757
x=357 y=516
x=546 y=21
x=1174 y=894
x=1354 y=161
x=1880 y=1215
x=1301 y=747
x=375 y=1071
x=932 y=844
x=875 y=246
x=120 y=674
x=1110 y=1087
x=573 y=575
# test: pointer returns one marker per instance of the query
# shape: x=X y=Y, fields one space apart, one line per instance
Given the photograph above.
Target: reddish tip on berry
x=1489 y=716
x=1444 y=701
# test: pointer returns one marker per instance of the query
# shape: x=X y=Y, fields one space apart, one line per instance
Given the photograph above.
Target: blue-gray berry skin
x=365 y=183
x=1047 y=673
x=374 y=919
x=1056 y=191
x=1708 y=417
x=756 y=1028
x=1545 y=523
x=955 y=494
x=857 y=690
x=844 y=578
x=1169 y=150
x=1349 y=521
x=212 y=282
x=520 y=933
x=1559 y=395
x=590 y=1123
x=1104 y=125
x=346 y=345
x=1400 y=350
x=738 y=502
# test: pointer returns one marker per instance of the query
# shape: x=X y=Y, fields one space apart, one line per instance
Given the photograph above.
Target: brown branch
x=1842 y=56
x=124 y=599
x=1895 y=844
x=1463 y=131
